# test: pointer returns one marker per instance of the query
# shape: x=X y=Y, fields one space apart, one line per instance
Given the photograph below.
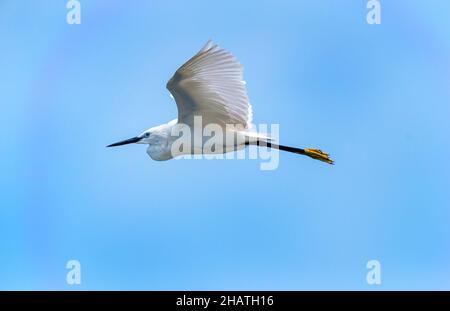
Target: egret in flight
x=211 y=85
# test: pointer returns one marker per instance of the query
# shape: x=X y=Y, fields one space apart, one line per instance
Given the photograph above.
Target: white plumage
x=210 y=85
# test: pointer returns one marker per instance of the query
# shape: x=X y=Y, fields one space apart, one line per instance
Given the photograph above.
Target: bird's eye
x=146 y=135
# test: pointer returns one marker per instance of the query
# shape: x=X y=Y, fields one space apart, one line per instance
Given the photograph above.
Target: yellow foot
x=318 y=155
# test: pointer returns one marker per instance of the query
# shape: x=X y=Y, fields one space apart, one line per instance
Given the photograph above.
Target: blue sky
x=376 y=97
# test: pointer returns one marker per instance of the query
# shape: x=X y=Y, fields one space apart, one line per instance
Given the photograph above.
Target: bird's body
x=211 y=97
x=161 y=141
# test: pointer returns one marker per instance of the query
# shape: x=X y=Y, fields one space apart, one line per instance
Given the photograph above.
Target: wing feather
x=211 y=84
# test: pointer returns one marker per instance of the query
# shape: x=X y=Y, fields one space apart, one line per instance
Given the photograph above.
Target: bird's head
x=144 y=138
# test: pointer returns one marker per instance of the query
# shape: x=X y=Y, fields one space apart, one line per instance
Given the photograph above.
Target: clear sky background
x=376 y=97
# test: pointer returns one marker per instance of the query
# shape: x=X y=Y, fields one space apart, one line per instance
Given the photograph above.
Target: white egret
x=211 y=85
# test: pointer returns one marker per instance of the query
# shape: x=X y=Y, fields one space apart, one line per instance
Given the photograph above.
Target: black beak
x=125 y=142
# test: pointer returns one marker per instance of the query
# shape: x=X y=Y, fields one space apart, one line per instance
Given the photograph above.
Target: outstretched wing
x=211 y=85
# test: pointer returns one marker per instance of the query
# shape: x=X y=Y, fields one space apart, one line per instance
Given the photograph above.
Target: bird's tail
x=312 y=153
